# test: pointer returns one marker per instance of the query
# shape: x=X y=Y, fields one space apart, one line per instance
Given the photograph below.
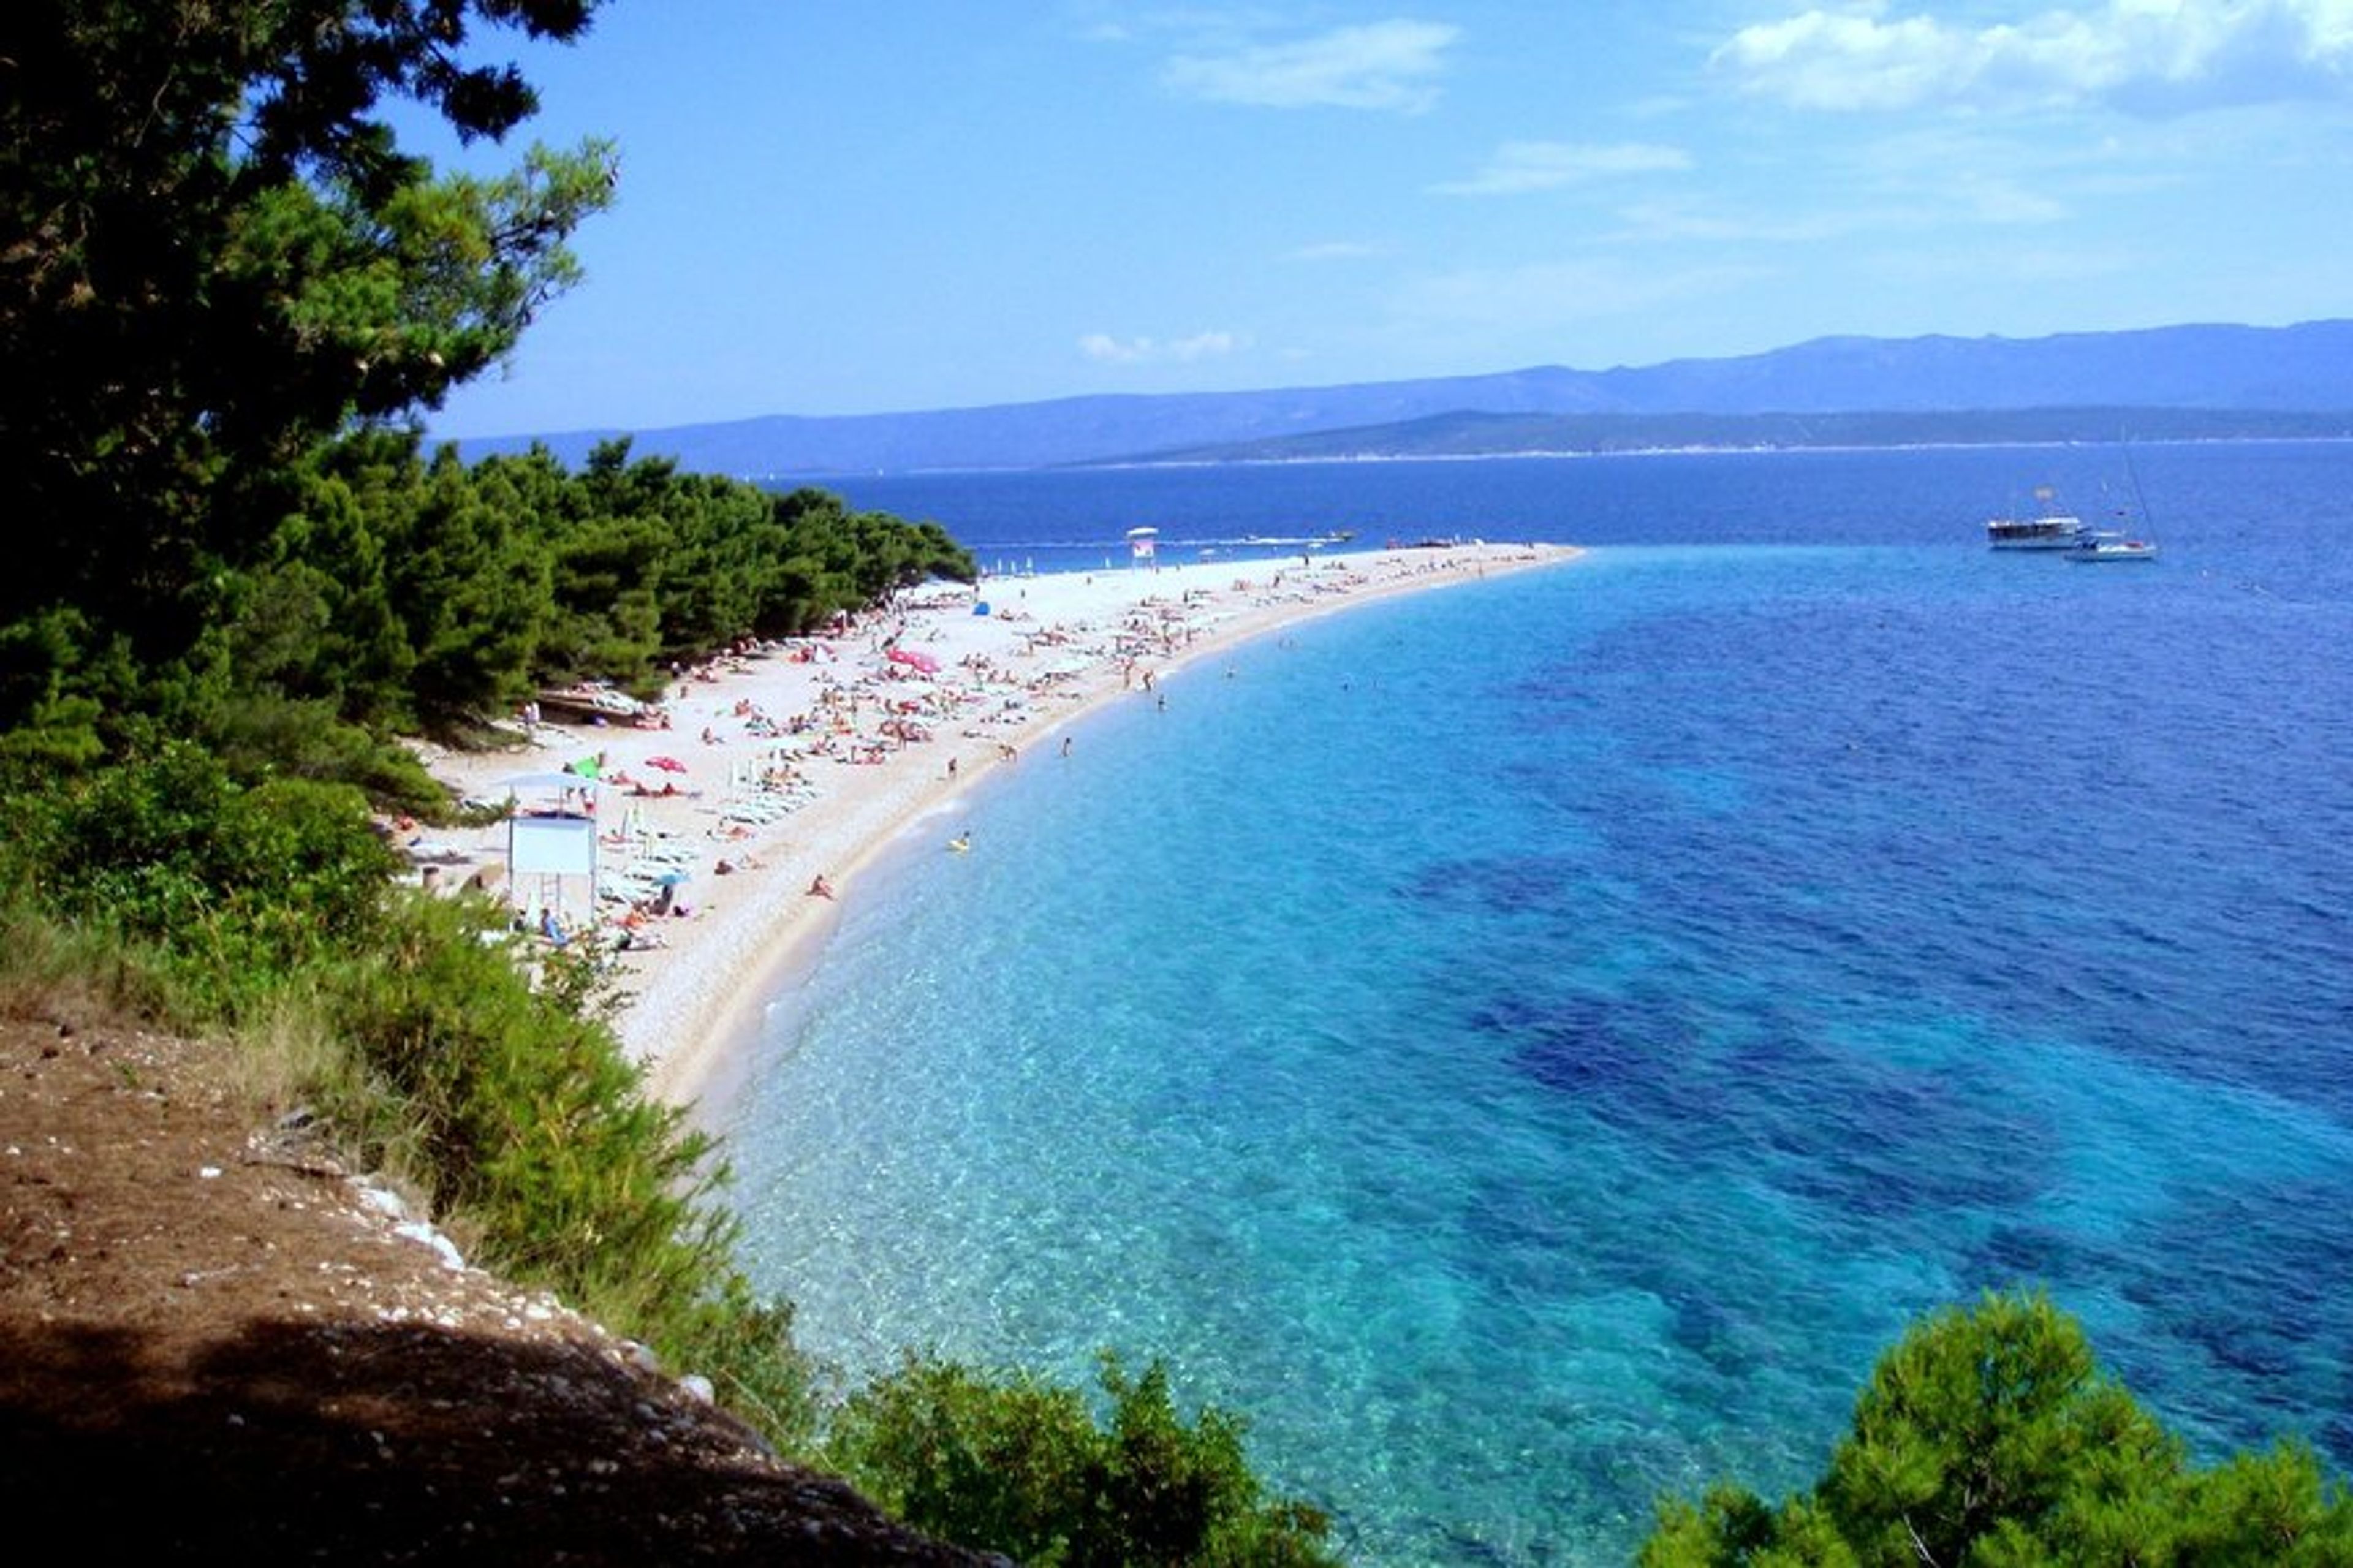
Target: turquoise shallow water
x=1533 y=1046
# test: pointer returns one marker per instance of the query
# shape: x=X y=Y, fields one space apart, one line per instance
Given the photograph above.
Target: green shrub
x=1014 y=1465
x=235 y=888
x=271 y=907
x=536 y=1128
x=1991 y=1438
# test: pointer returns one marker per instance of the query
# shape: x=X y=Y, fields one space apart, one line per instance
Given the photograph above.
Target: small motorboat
x=2098 y=548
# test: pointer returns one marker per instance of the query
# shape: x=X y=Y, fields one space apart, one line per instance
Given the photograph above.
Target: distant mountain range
x=2165 y=382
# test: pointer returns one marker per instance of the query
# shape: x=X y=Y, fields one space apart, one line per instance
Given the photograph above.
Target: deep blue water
x=1533 y=1046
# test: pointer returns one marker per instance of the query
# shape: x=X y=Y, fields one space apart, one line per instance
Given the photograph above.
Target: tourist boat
x=2109 y=545
x=2047 y=530
x=2050 y=531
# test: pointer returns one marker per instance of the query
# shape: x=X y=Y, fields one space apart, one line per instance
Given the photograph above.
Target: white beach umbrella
x=522 y=782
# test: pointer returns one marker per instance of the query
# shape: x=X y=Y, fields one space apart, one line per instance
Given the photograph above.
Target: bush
x=271 y=909
x=235 y=888
x=1016 y=1466
x=533 y=1123
x=1992 y=1437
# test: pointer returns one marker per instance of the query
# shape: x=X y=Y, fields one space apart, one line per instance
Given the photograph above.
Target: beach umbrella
x=667 y=764
x=671 y=879
x=549 y=780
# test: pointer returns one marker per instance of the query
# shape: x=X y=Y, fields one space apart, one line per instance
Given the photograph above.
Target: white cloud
x=2005 y=203
x=1381 y=65
x=1952 y=199
x=2154 y=57
x=1519 y=167
x=1106 y=349
x=1651 y=223
x=1549 y=296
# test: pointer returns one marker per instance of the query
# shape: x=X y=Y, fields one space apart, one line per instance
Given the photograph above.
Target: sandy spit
x=803 y=760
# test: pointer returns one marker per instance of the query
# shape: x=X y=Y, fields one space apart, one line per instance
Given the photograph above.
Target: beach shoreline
x=776 y=768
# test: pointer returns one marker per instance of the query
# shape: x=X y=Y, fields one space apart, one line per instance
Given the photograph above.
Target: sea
x=1530 y=1047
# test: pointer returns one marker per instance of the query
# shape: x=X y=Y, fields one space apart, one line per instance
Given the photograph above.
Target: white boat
x=2047 y=530
x=2052 y=532
x=2108 y=545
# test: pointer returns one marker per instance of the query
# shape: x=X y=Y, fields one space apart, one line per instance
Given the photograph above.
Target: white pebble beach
x=803 y=759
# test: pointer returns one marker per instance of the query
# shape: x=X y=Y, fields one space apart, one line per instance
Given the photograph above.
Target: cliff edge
x=213 y=1342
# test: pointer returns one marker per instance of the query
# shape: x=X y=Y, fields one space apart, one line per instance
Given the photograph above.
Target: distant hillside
x=1506 y=435
x=2228 y=370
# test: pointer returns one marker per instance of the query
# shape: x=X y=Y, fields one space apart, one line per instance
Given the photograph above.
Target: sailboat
x=2109 y=544
x=2103 y=546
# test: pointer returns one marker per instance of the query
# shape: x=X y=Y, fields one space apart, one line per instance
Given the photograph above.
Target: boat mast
x=2133 y=472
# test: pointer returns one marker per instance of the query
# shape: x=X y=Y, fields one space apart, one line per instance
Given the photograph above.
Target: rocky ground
x=214 y=1344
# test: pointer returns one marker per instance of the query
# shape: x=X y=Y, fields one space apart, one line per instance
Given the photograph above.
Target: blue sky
x=903 y=205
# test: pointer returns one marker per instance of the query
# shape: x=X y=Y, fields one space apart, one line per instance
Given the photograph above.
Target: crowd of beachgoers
x=730 y=816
